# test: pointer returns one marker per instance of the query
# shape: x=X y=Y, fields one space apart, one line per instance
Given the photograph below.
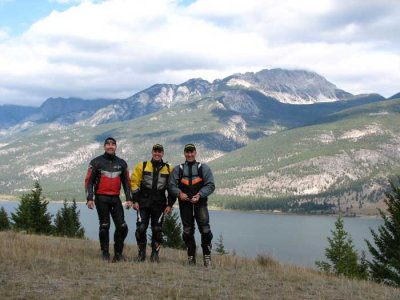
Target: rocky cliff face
x=150 y=100
x=294 y=87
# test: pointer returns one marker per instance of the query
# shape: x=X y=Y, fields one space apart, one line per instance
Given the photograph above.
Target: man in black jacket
x=103 y=182
x=192 y=182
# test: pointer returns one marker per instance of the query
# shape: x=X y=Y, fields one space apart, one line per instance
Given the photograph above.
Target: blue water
x=289 y=238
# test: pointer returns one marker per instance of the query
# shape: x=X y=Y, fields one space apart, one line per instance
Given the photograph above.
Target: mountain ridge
x=220 y=119
x=286 y=86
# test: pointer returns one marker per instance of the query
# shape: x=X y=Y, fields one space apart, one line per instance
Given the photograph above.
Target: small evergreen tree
x=219 y=246
x=31 y=214
x=385 y=265
x=67 y=221
x=172 y=232
x=343 y=257
x=4 y=222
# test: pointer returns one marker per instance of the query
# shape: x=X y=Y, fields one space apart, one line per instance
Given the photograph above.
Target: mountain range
x=274 y=136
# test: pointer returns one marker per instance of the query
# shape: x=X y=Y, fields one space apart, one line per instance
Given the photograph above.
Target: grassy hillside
x=348 y=158
x=36 y=267
x=59 y=156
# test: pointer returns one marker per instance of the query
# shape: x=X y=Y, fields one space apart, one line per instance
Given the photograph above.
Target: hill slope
x=37 y=267
x=348 y=158
x=58 y=155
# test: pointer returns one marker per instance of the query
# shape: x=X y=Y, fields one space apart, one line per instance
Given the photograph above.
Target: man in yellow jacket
x=148 y=184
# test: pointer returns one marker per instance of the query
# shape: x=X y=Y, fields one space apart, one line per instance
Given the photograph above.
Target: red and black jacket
x=105 y=175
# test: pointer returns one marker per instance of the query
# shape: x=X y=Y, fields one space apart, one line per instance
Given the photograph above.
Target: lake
x=292 y=239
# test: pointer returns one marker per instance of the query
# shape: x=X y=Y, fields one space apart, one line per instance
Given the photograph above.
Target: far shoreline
x=7 y=198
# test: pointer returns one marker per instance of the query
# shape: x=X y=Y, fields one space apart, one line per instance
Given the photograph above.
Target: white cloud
x=67 y=1
x=115 y=48
x=3 y=34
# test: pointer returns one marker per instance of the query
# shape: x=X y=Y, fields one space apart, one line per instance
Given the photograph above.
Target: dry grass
x=37 y=267
x=267 y=261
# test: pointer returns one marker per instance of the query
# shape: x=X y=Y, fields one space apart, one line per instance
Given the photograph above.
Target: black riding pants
x=106 y=206
x=199 y=212
x=144 y=215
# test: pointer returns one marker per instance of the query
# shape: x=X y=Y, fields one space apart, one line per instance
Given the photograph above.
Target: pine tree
x=385 y=265
x=31 y=214
x=172 y=232
x=67 y=221
x=78 y=229
x=219 y=246
x=4 y=222
x=60 y=221
x=344 y=259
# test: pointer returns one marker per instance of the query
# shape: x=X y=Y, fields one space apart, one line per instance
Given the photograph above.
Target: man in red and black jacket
x=103 y=182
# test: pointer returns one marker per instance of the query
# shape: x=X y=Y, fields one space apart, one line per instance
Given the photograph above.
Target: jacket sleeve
x=126 y=183
x=209 y=185
x=171 y=198
x=173 y=184
x=136 y=180
x=90 y=180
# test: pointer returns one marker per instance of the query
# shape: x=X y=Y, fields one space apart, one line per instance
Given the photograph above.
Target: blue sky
x=114 y=48
x=17 y=15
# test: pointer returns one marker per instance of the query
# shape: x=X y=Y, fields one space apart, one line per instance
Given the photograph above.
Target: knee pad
x=140 y=231
x=122 y=230
x=188 y=234
x=206 y=237
x=104 y=228
x=157 y=233
x=204 y=229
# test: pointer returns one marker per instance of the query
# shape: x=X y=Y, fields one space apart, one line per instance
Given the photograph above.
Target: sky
x=111 y=49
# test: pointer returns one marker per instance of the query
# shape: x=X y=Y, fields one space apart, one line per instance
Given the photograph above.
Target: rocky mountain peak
x=289 y=86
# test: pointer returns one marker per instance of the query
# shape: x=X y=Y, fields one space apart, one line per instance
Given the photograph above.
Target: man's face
x=157 y=155
x=190 y=155
x=110 y=147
